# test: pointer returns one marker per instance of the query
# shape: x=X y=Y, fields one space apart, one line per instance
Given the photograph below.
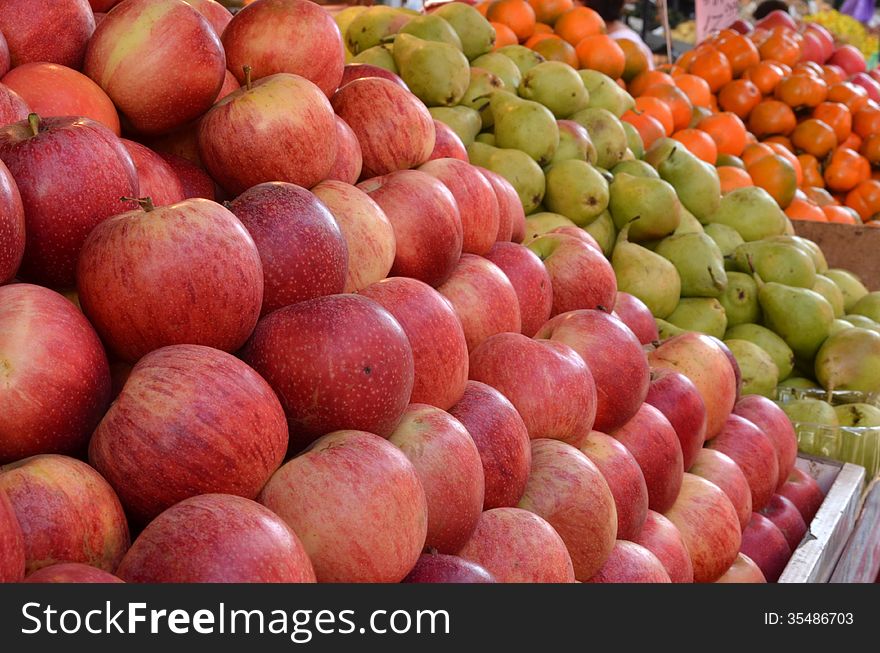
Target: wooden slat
x=860 y=560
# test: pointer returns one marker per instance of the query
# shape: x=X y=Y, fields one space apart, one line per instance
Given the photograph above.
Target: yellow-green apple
x=569 y=491
x=675 y=395
x=353 y=71
x=426 y=222
x=765 y=544
x=53 y=160
x=444 y=568
x=548 y=382
x=336 y=362
x=629 y=562
x=5 y=57
x=518 y=546
x=187 y=273
x=194 y=181
x=189 y=420
x=156 y=179
x=56 y=380
x=286 y=36
x=349 y=160
x=160 y=61
x=367 y=231
x=650 y=438
x=634 y=314
x=502 y=440
x=392 y=125
x=477 y=203
x=785 y=515
x=448 y=465
x=67 y=512
x=776 y=425
x=720 y=469
x=279 y=128
x=804 y=492
x=661 y=537
x=614 y=356
x=55 y=90
x=743 y=570
x=483 y=299
x=11 y=226
x=700 y=359
x=511 y=217
x=447 y=144
x=624 y=478
x=12 y=556
x=71 y=572
x=216 y=14
x=217 y=538
x=358 y=505
x=55 y=31
x=302 y=250
x=708 y=524
x=440 y=354
x=530 y=281
x=582 y=277
x=753 y=452
x=13 y=108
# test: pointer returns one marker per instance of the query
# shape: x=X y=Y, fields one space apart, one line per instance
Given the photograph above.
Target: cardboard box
x=852 y=248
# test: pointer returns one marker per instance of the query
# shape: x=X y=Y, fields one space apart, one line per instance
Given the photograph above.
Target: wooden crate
x=860 y=560
x=846 y=246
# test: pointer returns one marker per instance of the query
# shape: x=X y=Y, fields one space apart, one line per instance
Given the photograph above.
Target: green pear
x=752 y=212
x=814 y=251
x=839 y=325
x=523 y=58
x=869 y=306
x=647 y=275
x=858 y=415
x=698 y=261
x=759 y=373
x=702 y=314
x=605 y=93
x=463 y=121
x=476 y=34
x=486 y=137
x=776 y=261
x=574 y=143
x=431 y=27
x=802 y=317
x=604 y=231
x=516 y=167
x=727 y=239
x=690 y=225
x=816 y=425
x=860 y=437
x=370 y=28
x=524 y=125
x=829 y=290
x=649 y=206
x=695 y=181
x=501 y=66
x=667 y=330
x=850 y=360
x=576 y=190
x=853 y=289
x=379 y=55
x=798 y=383
x=606 y=133
x=636 y=169
x=437 y=73
x=538 y=224
x=862 y=322
x=781 y=353
x=740 y=299
x=635 y=147
x=811 y=411
x=554 y=84
x=482 y=84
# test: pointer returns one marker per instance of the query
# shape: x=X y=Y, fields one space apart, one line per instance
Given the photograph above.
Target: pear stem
x=247 y=76
x=34 y=123
x=146 y=203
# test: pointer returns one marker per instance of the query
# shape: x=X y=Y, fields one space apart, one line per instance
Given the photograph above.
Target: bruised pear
x=576 y=190
x=698 y=261
x=740 y=299
x=606 y=133
x=437 y=73
x=524 y=125
x=649 y=206
x=522 y=57
x=502 y=67
x=850 y=360
x=371 y=27
x=538 y=224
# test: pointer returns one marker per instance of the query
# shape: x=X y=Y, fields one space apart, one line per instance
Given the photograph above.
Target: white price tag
x=714 y=15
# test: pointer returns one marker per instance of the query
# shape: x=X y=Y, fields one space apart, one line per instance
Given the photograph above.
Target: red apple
x=701 y=360
x=217 y=538
x=54 y=90
x=708 y=525
x=847 y=57
x=447 y=144
x=393 y=127
x=633 y=313
x=661 y=537
x=548 y=383
x=427 y=225
x=336 y=362
x=615 y=357
x=302 y=250
x=674 y=395
x=12 y=237
x=13 y=108
x=280 y=128
x=741 y=26
x=803 y=491
x=511 y=217
x=71 y=572
x=442 y=568
x=157 y=82
x=55 y=31
x=765 y=544
x=785 y=515
x=631 y=563
x=286 y=36
x=743 y=570
x=183 y=142
x=502 y=440
x=753 y=451
x=578 y=134
x=5 y=57
x=530 y=281
x=777 y=18
x=357 y=504
x=776 y=425
x=812 y=48
x=734 y=365
x=826 y=40
x=366 y=229
x=190 y=420
x=349 y=160
x=53 y=161
x=518 y=546
x=440 y=354
x=720 y=469
x=448 y=465
x=12 y=554
x=56 y=379
x=216 y=14
x=871 y=85
x=103 y=6
x=230 y=85
x=354 y=70
x=66 y=511
x=156 y=179
x=578 y=233
x=188 y=273
x=194 y=181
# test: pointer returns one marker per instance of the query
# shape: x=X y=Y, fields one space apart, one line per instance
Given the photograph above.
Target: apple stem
x=247 y=76
x=146 y=203
x=34 y=122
